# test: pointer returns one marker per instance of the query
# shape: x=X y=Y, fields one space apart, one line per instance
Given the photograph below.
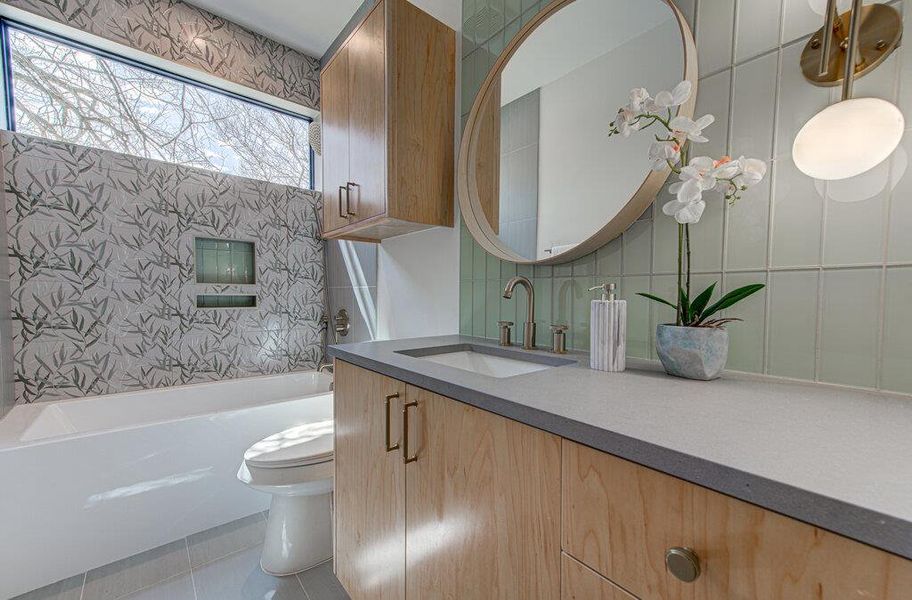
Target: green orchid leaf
x=700 y=302
x=731 y=298
x=657 y=299
x=685 y=306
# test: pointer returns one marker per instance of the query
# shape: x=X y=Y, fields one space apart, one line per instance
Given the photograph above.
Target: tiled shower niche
x=225 y=261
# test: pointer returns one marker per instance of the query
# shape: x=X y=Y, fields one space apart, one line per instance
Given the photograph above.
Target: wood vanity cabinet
x=466 y=504
x=388 y=109
x=438 y=499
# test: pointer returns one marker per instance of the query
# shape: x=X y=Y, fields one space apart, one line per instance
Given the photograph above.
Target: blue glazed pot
x=692 y=352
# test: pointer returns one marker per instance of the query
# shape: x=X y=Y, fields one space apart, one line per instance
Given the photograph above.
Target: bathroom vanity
x=527 y=475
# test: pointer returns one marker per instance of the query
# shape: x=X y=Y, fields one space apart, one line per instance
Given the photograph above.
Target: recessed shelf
x=226 y=301
x=225 y=261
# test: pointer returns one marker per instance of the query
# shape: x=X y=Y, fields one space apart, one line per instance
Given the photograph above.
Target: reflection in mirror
x=546 y=174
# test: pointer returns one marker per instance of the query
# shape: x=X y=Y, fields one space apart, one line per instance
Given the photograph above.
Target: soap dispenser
x=608 y=331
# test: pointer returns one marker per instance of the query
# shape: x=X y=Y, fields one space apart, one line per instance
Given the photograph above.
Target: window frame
x=9 y=92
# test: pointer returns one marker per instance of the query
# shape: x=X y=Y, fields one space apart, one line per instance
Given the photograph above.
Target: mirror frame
x=469 y=201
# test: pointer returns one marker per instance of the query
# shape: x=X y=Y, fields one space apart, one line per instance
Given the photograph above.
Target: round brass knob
x=683 y=563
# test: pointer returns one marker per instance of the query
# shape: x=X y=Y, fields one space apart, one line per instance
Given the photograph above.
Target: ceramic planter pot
x=692 y=352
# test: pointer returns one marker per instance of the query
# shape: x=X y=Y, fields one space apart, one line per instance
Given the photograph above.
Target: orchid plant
x=698 y=176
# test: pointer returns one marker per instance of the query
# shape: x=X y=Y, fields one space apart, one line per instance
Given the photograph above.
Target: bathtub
x=86 y=482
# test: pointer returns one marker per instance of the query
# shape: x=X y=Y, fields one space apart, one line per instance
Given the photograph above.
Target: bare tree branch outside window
x=67 y=94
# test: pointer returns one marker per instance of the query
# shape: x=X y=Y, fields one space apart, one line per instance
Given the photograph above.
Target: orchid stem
x=687 y=241
x=678 y=316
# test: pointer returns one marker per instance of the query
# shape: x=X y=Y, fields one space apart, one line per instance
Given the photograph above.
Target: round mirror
x=539 y=179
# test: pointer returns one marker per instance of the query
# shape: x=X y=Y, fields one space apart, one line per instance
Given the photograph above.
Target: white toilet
x=296 y=467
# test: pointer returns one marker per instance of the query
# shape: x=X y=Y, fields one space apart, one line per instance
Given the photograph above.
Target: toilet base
x=298 y=534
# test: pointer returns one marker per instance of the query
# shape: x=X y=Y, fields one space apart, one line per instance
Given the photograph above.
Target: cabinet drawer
x=579 y=582
x=620 y=519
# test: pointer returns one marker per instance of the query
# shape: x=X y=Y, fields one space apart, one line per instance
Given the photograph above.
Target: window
x=64 y=91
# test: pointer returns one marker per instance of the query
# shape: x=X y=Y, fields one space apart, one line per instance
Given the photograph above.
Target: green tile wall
x=225 y=261
x=836 y=271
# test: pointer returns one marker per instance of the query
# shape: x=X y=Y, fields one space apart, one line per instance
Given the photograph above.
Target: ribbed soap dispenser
x=608 y=331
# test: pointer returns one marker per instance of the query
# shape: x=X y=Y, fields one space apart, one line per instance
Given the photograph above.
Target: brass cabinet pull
x=683 y=563
x=405 y=433
x=341 y=212
x=389 y=447
x=348 y=210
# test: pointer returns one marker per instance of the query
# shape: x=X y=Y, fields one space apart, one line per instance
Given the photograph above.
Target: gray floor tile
x=137 y=572
x=320 y=583
x=239 y=577
x=177 y=588
x=68 y=589
x=221 y=541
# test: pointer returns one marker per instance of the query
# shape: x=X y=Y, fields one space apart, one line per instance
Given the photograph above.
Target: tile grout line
x=190 y=564
x=85 y=576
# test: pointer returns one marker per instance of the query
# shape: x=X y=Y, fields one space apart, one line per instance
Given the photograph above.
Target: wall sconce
x=856 y=134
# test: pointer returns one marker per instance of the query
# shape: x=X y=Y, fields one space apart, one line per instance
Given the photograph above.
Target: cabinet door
x=367 y=121
x=369 y=485
x=335 y=108
x=483 y=505
x=579 y=582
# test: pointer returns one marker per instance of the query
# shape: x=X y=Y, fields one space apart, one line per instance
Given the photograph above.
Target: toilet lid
x=299 y=446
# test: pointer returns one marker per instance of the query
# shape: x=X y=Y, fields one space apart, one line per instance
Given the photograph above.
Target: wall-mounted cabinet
x=388 y=105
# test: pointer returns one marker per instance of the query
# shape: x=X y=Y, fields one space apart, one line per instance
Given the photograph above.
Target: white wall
x=418 y=274
x=583 y=172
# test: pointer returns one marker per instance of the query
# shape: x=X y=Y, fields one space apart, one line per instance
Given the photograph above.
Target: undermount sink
x=487 y=360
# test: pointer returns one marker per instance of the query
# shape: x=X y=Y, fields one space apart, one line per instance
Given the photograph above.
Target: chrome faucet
x=529 y=325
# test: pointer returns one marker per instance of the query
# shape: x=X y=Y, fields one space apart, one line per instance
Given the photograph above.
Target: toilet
x=295 y=466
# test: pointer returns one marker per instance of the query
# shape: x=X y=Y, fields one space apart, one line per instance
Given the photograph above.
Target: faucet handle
x=559 y=338
x=505 y=332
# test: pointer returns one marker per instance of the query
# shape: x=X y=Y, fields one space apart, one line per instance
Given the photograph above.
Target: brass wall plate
x=881 y=33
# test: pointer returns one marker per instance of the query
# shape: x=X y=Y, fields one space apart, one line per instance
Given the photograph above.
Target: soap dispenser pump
x=608 y=331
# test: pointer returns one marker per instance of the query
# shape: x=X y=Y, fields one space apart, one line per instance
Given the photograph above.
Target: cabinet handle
x=405 y=433
x=348 y=210
x=341 y=212
x=389 y=398
x=683 y=563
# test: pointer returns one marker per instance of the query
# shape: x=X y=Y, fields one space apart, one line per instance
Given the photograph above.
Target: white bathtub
x=86 y=482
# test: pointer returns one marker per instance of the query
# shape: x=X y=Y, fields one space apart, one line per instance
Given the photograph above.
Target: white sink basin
x=487 y=360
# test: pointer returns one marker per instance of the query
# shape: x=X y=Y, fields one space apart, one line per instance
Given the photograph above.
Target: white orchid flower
x=753 y=170
x=625 y=122
x=661 y=153
x=676 y=97
x=687 y=129
x=639 y=97
x=685 y=213
x=726 y=168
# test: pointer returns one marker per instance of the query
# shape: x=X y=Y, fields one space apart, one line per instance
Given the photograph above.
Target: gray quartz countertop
x=837 y=458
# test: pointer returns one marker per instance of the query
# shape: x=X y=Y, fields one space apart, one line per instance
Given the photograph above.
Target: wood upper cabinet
x=474 y=514
x=620 y=518
x=388 y=126
x=369 y=485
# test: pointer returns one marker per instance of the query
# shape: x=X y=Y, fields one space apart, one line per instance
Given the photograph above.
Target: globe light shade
x=848 y=138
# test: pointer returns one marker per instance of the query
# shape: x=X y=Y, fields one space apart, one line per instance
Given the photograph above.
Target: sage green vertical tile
x=663 y=286
x=638 y=248
x=478 y=308
x=563 y=270
x=524 y=270
x=582 y=299
x=584 y=266
x=543 y=301
x=479 y=262
x=492 y=307
x=493 y=267
x=793 y=324
x=562 y=305
x=512 y=29
x=897 y=349
x=639 y=334
x=496 y=44
x=469 y=22
x=608 y=259
x=507 y=269
x=849 y=326
x=512 y=9
x=543 y=271
x=746 y=336
x=466 y=253
x=465 y=307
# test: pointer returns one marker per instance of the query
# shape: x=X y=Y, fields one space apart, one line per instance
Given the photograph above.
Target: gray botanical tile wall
x=836 y=258
x=102 y=272
x=7 y=393
x=192 y=37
